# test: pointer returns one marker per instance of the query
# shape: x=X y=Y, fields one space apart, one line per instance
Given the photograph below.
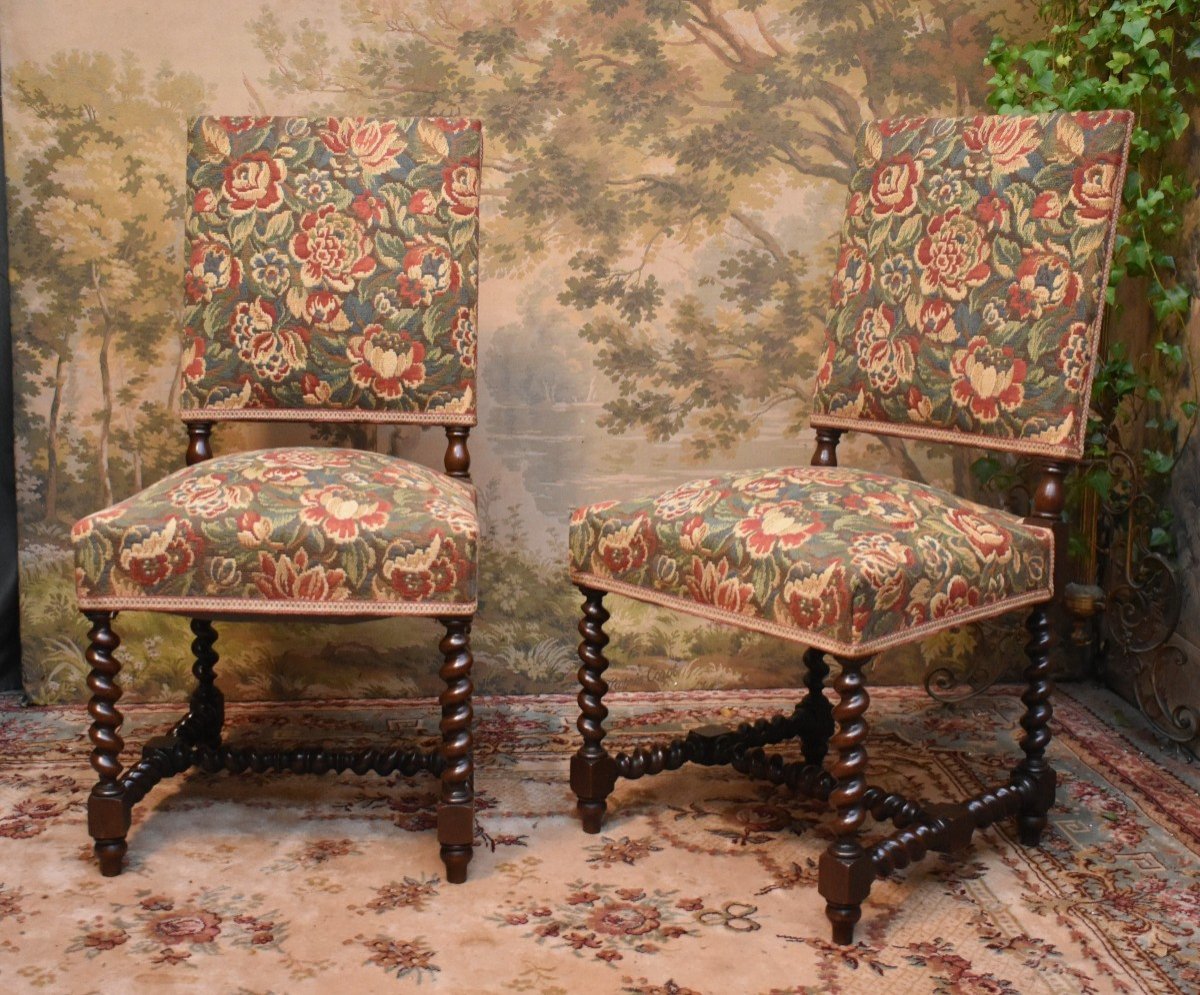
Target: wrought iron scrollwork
x=1122 y=610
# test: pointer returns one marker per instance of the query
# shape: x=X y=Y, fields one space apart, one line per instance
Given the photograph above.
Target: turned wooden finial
x=199 y=442
x=1050 y=493
x=827 y=443
x=458 y=458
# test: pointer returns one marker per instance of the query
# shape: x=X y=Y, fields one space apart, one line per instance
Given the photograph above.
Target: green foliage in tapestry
x=94 y=230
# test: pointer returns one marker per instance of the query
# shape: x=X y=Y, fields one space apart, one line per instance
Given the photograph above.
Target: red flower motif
x=237 y=125
x=988 y=379
x=894 y=185
x=274 y=353
x=288 y=579
x=881 y=559
x=953 y=255
x=204 y=202
x=1094 y=190
x=460 y=189
x=816 y=601
x=374 y=144
x=777 y=525
x=993 y=210
x=936 y=321
x=1048 y=205
x=417 y=574
x=199 y=926
x=367 y=208
x=194 y=365
x=991 y=541
x=825 y=372
x=624 y=919
x=333 y=250
x=422 y=202
x=624 y=548
x=253 y=529
x=151 y=556
x=253 y=183
x=314 y=390
x=958 y=597
x=386 y=362
x=888 y=360
x=1044 y=280
x=323 y=308
x=920 y=407
x=1094 y=119
x=427 y=271
x=710 y=584
x=896 y=125
x=1006 y=141
x=340 y=513
x=212 y=268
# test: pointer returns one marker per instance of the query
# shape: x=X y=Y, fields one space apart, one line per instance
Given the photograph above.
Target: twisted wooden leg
x=817 y=727
x=845 y=873
x=456 y=809
x=593 y=770
x=206 y=713
x=1034 y=769
x=108 y=815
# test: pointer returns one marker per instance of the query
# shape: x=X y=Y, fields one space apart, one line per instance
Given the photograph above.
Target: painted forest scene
x=662 y=186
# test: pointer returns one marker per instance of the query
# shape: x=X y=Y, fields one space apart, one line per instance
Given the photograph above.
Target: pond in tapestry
x=662 y=186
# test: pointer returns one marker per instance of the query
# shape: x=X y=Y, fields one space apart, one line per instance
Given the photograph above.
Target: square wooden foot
x=456 y=834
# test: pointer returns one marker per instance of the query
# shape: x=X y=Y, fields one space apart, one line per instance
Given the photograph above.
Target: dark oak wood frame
x=848 y=867
x=195 y=740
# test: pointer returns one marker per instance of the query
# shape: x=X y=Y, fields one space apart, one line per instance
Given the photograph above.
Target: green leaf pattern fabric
x=290 y=531
x=845 y=560
x=332 y=269
x=970 y=278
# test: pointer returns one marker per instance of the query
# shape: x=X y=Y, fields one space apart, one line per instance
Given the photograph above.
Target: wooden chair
x=965 y=309
x=331 y=277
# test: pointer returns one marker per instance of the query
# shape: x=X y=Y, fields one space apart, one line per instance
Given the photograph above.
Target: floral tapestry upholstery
x=286 y=531
x=848 y=561
x=332 y=269
x=970 y=279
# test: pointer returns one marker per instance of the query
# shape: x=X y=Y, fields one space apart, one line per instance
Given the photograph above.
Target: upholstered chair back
x=332 y=269
x=970 y=279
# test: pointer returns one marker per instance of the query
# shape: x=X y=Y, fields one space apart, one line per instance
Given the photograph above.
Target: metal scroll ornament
x=1124 y=636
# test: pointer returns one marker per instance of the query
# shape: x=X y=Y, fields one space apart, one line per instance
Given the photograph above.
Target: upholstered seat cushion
x=848 y=561
x=286 y=531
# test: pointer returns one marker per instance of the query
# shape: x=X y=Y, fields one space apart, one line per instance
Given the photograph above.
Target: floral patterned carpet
x=701 y=883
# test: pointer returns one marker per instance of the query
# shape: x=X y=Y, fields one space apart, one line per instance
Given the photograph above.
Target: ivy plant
x=1143 y=55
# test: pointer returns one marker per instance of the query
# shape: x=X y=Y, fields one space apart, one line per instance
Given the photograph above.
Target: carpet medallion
x=702 y=881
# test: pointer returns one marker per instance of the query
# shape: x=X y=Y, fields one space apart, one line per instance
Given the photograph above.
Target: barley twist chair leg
x=846 y=872
x=816 y=709
x=593 y=770
x=108 y=814
x=1034 y=771
x=206 y=710
x=456 y=809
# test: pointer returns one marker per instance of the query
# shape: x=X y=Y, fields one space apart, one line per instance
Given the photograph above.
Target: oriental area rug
x=701 y=882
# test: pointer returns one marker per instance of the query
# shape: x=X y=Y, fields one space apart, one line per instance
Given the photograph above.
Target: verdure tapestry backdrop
x=661 y=195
